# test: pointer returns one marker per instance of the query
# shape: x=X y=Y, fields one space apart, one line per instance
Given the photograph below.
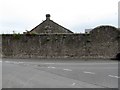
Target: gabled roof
x=49 y=26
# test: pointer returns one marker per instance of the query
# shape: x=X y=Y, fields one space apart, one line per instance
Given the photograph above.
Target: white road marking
x=73 y=84
x=21 y=62
x=97 y=63
x=7 y=61
x=89 y=72
x=13 y=62
x=0 y=61
x=67 y=69
x=51 y=67
x=113 y=76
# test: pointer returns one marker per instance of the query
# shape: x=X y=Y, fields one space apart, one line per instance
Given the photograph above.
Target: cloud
x=119 y=14
x=26 y=14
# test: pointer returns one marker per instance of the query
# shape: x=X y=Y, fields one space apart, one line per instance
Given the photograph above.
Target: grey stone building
x=49 y=26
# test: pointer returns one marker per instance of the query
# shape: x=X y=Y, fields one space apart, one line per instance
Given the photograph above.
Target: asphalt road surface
x=56 y=74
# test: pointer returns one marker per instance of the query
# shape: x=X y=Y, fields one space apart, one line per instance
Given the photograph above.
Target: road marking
x=94 y=63
x=113 y=76
x=0 y=61
x=51 y=67
x=11 y=62
x=67 y=69
x=73 y=84
x=21 y=62
x=89 y=72
x=7 y=61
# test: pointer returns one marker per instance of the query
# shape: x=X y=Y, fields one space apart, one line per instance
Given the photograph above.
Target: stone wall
x=101 y=42
x=0 y=46
x=44 y=45
x=105 y=41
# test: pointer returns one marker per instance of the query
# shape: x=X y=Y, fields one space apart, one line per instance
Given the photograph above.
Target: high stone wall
x=105 y=41
x=102 y=42
x=44 y=46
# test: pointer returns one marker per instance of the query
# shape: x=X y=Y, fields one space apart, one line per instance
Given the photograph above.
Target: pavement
x=59 y=74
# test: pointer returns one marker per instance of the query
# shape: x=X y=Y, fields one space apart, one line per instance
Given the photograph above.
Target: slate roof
x=49 y=26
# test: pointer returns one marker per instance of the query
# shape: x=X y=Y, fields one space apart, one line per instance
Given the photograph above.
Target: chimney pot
x=47 y=16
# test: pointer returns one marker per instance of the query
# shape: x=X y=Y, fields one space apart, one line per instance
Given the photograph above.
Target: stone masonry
x=101 y=42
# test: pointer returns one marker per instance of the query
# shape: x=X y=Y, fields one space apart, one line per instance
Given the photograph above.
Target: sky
x=76 y=15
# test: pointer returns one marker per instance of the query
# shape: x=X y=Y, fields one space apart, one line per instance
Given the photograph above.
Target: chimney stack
x=47 y=16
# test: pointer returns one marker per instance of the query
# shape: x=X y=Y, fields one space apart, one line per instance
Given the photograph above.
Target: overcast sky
x=76 y=15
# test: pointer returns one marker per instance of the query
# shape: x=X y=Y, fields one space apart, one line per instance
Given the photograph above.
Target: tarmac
x=17 y=76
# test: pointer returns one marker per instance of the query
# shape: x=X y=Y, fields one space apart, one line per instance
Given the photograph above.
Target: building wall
x=100 y=43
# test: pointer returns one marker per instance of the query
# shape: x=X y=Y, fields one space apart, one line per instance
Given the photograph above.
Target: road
x=56 y=74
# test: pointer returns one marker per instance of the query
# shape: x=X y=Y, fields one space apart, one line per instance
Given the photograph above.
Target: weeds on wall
x=16 y=36
x=31 y=34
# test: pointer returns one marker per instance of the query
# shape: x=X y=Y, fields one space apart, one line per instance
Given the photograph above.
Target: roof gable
x=49 y=26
